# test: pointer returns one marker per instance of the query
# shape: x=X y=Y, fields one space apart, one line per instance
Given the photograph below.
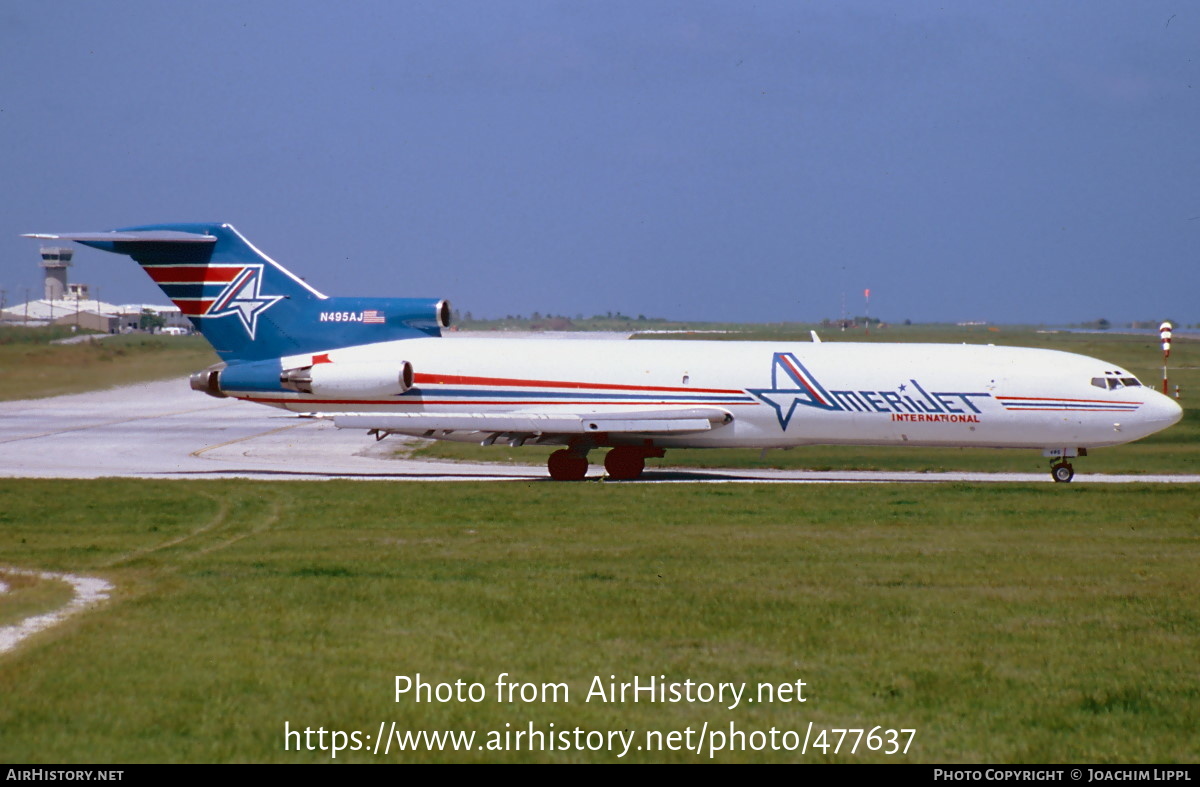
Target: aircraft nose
x=1163 y=411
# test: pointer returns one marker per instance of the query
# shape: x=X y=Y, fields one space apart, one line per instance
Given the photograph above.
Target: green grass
x=1004 y=623
x=30 y=595
x=31 y=367
x=20 y=334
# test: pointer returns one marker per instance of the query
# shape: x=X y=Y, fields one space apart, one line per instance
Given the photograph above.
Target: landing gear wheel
x=567 y=466
x=1062 y=472
x=625 y=463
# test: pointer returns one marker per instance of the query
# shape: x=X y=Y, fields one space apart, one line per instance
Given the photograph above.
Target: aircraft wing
x=539 y=424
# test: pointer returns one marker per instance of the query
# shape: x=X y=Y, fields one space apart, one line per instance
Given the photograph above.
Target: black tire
x=624 y=463
x=1062 y=472
x=567 y=466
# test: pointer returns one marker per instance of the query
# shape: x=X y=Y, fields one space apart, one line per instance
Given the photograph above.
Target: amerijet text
x=604 y=689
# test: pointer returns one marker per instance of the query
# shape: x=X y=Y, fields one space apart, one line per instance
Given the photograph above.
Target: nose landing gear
x=1062 y=472
x=1060 y=469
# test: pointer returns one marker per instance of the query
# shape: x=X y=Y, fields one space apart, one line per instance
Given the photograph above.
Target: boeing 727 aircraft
x=380 y=364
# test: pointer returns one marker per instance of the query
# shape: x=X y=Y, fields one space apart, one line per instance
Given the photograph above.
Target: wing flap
x=649 y=422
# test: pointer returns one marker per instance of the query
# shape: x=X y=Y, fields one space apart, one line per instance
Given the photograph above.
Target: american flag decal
x=373 y=317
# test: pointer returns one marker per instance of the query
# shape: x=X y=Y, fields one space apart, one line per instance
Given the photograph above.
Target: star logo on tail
x=792 y=386
x=243 y=297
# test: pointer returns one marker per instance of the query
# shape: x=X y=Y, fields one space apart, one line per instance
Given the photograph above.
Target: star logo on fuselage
x=791 y=386
x=243 y=297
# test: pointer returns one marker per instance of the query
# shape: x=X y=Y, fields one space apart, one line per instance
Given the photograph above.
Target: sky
x=1015 y=162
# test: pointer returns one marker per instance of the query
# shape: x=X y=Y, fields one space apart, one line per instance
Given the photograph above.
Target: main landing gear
x=623 y=463
x=567 y=465
x=626 y=462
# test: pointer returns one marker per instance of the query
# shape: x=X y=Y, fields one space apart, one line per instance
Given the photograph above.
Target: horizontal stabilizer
x=247 y=305
x=146 y=236
x=650 y=422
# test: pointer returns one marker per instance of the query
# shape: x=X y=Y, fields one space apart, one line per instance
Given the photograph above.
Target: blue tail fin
x=250 y=307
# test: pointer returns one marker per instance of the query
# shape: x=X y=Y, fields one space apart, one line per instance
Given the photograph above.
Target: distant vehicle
x=174 y=330
x=380 y=365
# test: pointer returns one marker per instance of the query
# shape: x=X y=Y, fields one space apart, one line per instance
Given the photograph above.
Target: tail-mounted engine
x=208 y=381
x=350 y=379
x=337 y=380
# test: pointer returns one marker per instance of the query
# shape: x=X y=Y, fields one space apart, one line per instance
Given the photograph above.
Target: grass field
x=32 y=367
x=1004 y=623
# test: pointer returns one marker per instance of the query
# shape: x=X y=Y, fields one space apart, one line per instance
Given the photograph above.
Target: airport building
x=70 y=303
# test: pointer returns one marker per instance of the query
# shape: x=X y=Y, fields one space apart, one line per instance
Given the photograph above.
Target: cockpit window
x=1112 y=381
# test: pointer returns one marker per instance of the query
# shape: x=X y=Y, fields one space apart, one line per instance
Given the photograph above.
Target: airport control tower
x=56 y=261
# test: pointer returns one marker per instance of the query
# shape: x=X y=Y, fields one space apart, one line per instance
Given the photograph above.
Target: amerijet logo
x=791 y=386
x=794 y=386
x=243 y=297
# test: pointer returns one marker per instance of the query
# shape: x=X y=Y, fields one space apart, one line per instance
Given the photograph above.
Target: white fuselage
x=779 y=393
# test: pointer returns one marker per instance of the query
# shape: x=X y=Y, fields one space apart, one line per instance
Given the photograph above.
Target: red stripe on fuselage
x=456 y=379
x=426 y=402
x=1065 y=408
x=1052 y=399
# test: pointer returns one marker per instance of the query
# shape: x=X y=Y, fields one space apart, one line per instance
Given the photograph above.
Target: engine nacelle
x=350 y=379
x=208 y=381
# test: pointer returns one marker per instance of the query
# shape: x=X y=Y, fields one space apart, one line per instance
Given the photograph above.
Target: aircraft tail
x=250 y=307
